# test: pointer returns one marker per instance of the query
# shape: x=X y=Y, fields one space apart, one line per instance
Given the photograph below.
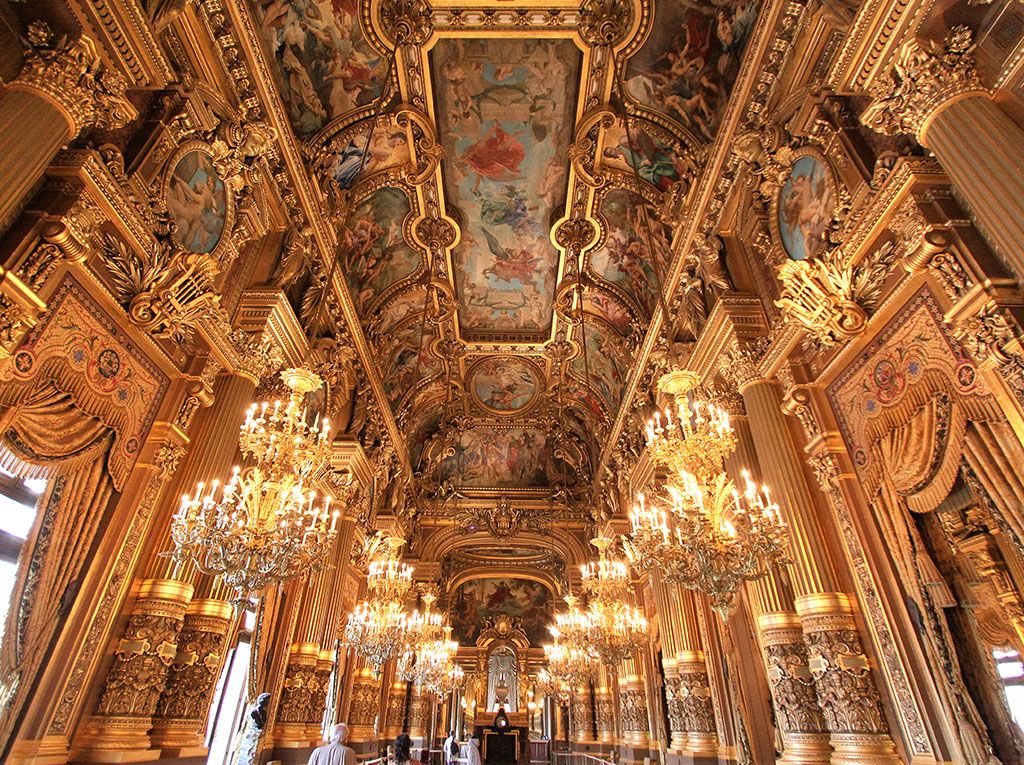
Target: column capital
x=924 y=79
x=70 y=74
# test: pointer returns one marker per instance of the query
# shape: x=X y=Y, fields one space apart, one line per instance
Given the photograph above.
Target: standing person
x=335 y=752
x=451 y=748
x=402 y=754
x=473 y=754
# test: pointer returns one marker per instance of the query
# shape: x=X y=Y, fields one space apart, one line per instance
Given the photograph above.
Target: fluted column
x=583 y=715
x=698 y=714
x=826 y=616
x=604 y=714
x=937 y=97
x=396 y=709
x=794 y=697
x=364 y=708
x=62 y=90
x=635 y=723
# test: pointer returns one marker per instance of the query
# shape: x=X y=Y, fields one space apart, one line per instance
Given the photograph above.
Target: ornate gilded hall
x=553 y=382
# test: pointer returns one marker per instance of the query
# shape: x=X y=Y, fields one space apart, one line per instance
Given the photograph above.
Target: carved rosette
x=923 y=80
x=789 y=675
x=180 y=718
x=142 y=660
x=70 y=74
x=605 y=22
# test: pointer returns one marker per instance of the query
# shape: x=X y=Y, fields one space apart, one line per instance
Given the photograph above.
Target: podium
x=502 y=746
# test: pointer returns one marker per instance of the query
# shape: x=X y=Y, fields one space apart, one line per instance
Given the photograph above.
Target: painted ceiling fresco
x=324 y=66
x=505 y=110
x=688 y=64
x=476 y=601
x=446 y=200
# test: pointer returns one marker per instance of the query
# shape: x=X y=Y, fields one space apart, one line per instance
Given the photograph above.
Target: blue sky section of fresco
x=505 y=110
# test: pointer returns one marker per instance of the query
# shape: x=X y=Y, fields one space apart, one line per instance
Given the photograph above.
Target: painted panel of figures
x=408 y=360
x=505 y=109
x=389 y=147
x=477 y=600
x=374 y=252
x=197 y=201
x=503 y=457
x=324 y=65
x=604 y=361
x=624 y=260
x=638 y=152
x=504 y=384
x=690 y=60
x=806 y=209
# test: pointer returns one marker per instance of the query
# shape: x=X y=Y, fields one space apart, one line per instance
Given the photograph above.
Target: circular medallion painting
x=504 y=384
x=806 y=208
x=197 y=200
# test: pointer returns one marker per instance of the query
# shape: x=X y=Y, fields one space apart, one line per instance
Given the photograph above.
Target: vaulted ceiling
x=503 y=227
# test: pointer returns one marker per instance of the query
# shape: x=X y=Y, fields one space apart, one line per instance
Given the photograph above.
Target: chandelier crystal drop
x=379 y=627
x=263 y=525
x=689 y=435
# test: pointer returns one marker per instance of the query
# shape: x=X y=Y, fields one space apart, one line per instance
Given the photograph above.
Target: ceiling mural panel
x=604 y=361
x=493 y=457
x=408 y=359
x=476 y=601
x=505 y=110
x=374 y=250
x=322 y=62
x=505 y=385
x=641 y=152
x=623 y=261
x=690 y=60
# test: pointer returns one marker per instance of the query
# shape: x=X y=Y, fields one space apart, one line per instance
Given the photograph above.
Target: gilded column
x=604 y=714
x=142 y=660
x=826 y=617
x=583 y=715
x=635 y=730
x=62 y=90
x=697 y=711
x=420 y=707
x=396 y=709
x=934 y=94
x=794 y=698
x=364 y=708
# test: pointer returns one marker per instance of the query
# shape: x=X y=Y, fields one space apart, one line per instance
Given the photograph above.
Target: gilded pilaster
x=396 y=709
x=604 y=713
x=298 y=696
x=583 y=715
x=364 y=707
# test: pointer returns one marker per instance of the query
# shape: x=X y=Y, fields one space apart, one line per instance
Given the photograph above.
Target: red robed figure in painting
x=496 y=156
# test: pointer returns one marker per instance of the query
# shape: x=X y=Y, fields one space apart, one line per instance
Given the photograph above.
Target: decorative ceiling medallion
x=505 y=385
x=196 y=198
x=805 y=205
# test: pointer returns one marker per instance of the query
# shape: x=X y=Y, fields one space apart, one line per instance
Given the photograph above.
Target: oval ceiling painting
x=197 y=201
x=504 y=384
x=806 y=207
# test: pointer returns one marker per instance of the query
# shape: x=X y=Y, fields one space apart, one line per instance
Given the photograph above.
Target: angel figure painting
x=323 y=64
x=502 y=457
x=689 y=63
x=505 y=110
x=197 y=201
x=806 y=208
x=504 y=384
x=374 y=253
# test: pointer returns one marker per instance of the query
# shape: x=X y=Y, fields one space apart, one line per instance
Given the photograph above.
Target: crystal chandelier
x=378 y=628
x=568 y=664
x=689 y=435
x=705 y=534
x=434 y=667
x=263 y=526
x=613 y=628
x=427 y=637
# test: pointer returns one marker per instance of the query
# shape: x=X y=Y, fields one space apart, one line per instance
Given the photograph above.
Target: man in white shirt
x=335 y=752
x=473 y=752
x=451 y=749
